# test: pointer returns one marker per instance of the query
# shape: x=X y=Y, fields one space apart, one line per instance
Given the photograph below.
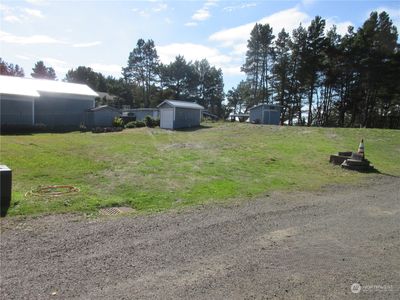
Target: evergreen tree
x=142 y=69
x=281 y=74
x=9 y=69
x=257 y=68
x=43 y=72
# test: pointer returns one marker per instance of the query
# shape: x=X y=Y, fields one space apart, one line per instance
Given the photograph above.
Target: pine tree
x=43 y=72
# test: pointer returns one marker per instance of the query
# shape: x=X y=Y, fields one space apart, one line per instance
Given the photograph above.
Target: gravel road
x=309 y=245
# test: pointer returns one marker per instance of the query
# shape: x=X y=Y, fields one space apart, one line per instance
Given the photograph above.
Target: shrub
x=131 y=124
x=151 y=122
x=118 y=122
x=148 y=121
x=140 y=124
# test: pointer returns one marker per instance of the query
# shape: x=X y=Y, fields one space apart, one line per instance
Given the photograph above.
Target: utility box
x=5 y=188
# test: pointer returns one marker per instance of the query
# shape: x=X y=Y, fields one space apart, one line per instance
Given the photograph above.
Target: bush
x=131 y=124
x=118 y=122
x=148 y=121
x=140 y=124
x=151 y=122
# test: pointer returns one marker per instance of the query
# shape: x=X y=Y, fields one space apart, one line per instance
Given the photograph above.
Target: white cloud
x=12 y=19
x=210 y=3
x=107 y=69
x=36 y=2
x=341 y=27
x=236 y=37
x=23 y=57
x=201 y=14
x=86 y=45
x=28 y=40
x=54 y=61
x=168 y=20
x=33 y=12
x=160 y=7
x=60 y=66
x=144 y=14
x=191 y=24
x=19 y=14
x=236 y=7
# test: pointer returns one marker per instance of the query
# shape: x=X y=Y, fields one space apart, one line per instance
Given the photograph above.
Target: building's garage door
x=167 y=118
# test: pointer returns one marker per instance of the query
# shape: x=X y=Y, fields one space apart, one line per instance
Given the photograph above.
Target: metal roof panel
x=182 y=104
x=33 y=87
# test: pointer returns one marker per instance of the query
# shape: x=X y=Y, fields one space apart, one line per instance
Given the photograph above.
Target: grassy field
x=154 y=169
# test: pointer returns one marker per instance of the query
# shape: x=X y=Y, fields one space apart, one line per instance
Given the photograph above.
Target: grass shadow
x=191 y=129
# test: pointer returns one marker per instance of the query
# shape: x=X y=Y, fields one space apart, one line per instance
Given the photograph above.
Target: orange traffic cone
x=361 y=148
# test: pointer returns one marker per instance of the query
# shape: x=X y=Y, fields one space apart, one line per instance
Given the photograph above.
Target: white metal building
x=56 y=104
x=179 y=114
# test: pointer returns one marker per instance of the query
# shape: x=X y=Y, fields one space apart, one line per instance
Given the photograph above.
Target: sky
x=101 y=34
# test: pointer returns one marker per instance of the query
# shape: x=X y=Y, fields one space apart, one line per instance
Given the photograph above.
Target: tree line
x=321 y=78
x=145 y=81
x=317 y=76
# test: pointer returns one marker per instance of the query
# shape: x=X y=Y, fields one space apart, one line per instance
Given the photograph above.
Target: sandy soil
x=310 y=245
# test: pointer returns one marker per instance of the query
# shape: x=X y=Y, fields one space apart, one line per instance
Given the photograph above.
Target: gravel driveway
x=309 y=245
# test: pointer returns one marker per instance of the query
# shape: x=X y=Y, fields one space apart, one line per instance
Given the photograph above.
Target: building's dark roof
x=181 y=104
x=103 y=107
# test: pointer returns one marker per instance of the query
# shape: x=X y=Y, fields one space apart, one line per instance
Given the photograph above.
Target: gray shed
x=265 y=114
x=56 y=104
x=179 y=114
x=101 y=116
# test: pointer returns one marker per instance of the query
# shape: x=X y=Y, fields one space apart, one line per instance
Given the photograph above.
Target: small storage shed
x=176 y=114
x=265 y=114
x=101 y=116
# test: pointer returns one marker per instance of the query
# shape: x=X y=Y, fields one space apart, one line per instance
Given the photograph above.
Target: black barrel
x=5 y=188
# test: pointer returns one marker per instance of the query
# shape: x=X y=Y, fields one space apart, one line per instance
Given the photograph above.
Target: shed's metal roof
x=181 y=104
x=103 y=107
x=33 y=87
x=265 y=104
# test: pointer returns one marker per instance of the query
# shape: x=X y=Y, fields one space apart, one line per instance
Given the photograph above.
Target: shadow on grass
x=372 y=170
x=194 y=128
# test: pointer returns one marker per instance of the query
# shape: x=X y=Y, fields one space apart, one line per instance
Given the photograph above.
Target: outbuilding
x=265 y=114
x=102 y=116
x=176 y=114
x=56 y=104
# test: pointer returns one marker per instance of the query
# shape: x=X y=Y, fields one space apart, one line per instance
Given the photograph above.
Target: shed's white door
x=167 y=118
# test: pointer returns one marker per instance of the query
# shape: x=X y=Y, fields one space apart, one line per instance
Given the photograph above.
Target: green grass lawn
x=155 y=169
